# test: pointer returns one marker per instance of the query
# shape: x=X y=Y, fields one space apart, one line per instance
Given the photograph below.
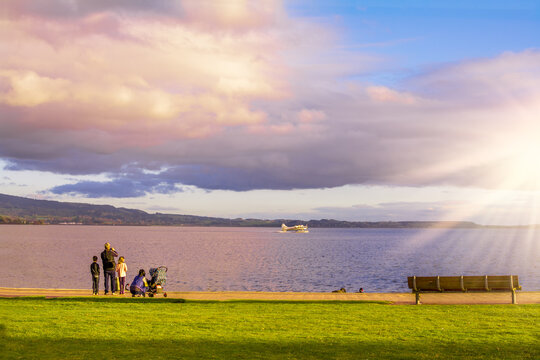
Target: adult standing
x=109 y=267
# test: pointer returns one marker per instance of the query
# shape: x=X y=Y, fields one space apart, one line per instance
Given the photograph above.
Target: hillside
x=20 y=210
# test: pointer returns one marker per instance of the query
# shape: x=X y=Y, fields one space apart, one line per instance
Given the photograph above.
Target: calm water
x=262 y=259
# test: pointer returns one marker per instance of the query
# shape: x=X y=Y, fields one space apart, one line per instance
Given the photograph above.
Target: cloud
x=500 y=81
x=222 y=14
x=135 y=82
x=384 y=94
x=80 y=8
x=398 y=211
x=220 y=100
x=126 y=186
x=486 y=212
x=30 y=89
x=94 y=189
x=309 y=115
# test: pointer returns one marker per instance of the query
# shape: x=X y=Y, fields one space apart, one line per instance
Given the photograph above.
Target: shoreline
x=380 y=225
x=469 y=298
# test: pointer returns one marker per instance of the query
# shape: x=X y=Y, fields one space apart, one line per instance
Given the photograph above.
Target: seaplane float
x=296 y=228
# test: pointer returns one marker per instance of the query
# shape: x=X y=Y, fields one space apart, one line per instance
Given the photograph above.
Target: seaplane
x=296 y=228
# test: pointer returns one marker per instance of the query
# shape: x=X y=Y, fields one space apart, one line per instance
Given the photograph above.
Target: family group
x=138 y=286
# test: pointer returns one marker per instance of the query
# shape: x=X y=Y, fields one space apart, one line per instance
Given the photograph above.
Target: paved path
x=523 y=297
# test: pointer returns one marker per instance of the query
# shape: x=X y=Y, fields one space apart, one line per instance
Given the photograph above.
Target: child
x=121 y=270
x=94 y=270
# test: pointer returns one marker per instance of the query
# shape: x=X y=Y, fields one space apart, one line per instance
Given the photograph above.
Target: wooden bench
x=420 y=284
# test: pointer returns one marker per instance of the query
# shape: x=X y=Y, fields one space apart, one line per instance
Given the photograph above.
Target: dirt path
x=525 y=297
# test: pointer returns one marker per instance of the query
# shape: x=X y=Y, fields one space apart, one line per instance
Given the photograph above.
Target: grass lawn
x=96 y=328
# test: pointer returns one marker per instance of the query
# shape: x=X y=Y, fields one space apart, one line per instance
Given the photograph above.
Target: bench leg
x=417 y=293
x=514 y=296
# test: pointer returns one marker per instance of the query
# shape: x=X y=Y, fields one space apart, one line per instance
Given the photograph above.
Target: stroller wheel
x=164 y=294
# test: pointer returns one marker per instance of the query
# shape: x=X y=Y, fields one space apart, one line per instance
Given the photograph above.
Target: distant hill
x=16 y=210
x=20 y=210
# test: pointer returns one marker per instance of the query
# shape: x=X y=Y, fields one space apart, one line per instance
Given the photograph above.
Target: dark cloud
x=137 y=183
x=94 y=189
x=117 y=188
x=63 y=161
x=245 y=178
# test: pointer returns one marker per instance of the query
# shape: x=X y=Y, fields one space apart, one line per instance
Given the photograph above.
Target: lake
x=263 y=259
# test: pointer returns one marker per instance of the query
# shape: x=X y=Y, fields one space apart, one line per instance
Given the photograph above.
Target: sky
x=349 y=110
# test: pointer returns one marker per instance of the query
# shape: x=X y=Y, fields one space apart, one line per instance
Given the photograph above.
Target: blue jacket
x=139 y=283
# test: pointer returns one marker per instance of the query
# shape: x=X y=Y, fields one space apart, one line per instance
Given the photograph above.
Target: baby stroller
x=159 y=277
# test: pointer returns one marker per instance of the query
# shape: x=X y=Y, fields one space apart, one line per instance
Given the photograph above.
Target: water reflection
x=262 y=259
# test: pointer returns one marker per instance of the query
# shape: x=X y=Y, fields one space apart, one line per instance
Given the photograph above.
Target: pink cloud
x=29 y=89
x=166 y=81
x=229 y=93
x=235 y=14
x=386 y=95
x=310 y=115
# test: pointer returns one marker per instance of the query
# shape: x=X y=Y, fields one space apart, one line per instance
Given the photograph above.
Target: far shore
x=470 y=298
x=414 y=225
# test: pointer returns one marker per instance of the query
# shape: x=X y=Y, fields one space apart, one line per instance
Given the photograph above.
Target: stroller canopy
x=159 y=275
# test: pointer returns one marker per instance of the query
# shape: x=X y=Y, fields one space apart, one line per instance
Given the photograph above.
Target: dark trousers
x=110 y=276
x=136 y=291
x=95 y=284
x=122 y=284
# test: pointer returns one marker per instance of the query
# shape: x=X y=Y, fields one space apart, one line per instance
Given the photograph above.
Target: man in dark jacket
x=109 y=265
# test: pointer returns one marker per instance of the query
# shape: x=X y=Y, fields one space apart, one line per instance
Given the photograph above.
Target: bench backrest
x=463 y=283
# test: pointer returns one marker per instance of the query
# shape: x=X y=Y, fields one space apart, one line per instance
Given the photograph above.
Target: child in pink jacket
x=121 y=270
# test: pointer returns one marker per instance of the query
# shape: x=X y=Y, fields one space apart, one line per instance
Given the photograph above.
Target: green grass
x=95 y=328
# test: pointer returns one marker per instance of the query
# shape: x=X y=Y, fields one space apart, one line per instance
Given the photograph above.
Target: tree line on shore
x=20 y=210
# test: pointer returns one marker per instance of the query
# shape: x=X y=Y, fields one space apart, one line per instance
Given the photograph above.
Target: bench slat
x=465 y=283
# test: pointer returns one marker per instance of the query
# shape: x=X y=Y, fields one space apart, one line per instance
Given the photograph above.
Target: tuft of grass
x=159 y=328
